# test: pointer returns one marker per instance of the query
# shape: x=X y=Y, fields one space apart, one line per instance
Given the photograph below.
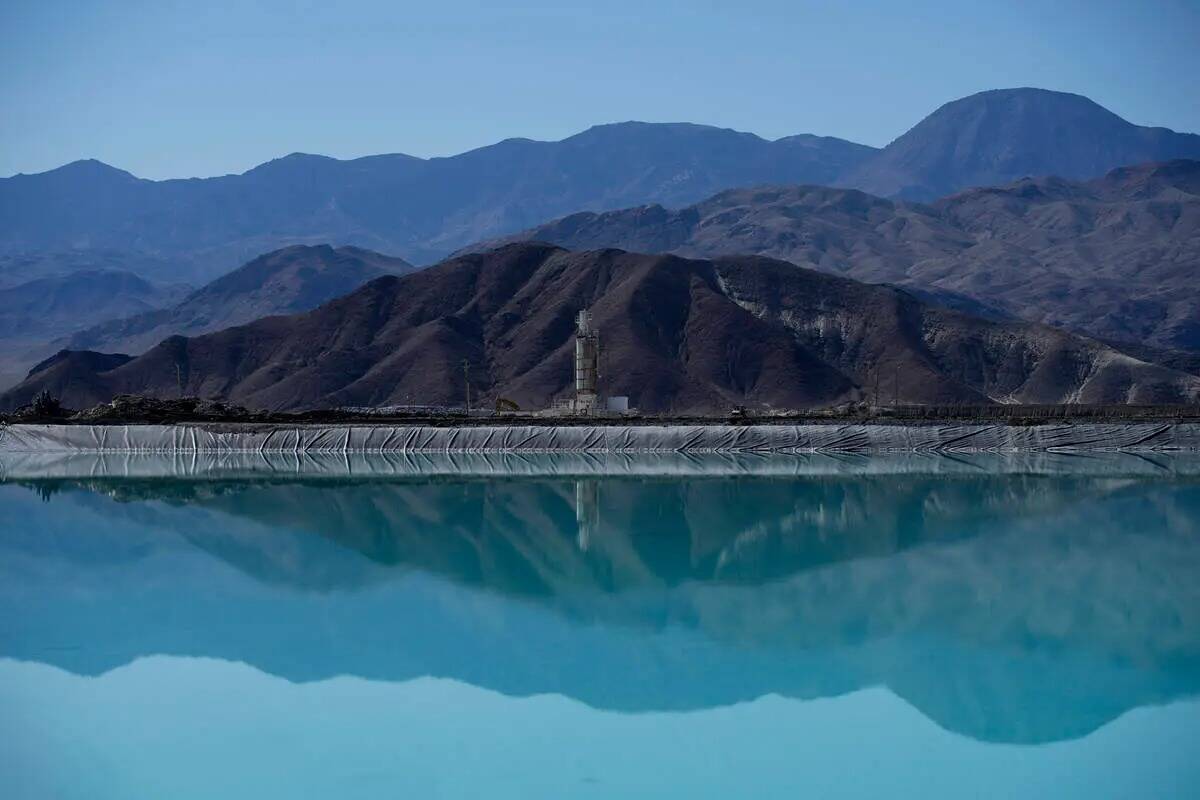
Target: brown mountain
x=678 y=334
x=1115 y=257
x=297 y=278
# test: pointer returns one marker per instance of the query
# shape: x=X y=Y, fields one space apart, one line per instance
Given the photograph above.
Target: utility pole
x=466 y=365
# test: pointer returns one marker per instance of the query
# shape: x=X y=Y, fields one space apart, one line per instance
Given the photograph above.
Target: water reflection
x=1006 y=604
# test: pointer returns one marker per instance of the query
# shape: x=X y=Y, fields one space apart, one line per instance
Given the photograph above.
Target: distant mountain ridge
x=51 y=306
x=1001 y=135
x=418 y=208
x=37 y=311
x=424 y=209
x=286 y=281
x=680 y=335
x=1116 y=257
x=19 y=268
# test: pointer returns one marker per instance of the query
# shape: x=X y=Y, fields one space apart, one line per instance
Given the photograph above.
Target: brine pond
x=560 y=627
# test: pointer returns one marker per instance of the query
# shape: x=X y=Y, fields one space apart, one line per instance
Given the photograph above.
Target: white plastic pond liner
x=310 y=439
x=81 y=465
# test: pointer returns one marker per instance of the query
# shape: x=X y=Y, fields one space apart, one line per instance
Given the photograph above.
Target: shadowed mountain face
x=420 y=209
x=1014 y=608
x=678 y=334
x=1115 y=257
x=999 y=136
x=424 y=209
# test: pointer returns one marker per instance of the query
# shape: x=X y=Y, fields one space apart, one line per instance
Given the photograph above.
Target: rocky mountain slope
x=293 y=279
x=1115 y=257
x=678 y=335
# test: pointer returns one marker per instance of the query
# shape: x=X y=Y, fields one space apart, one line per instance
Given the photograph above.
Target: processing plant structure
x=587 y=400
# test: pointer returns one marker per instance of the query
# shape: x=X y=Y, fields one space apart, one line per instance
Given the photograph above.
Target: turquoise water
x=821 y=627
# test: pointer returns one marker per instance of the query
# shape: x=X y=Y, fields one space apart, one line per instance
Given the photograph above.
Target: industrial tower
x=587 y=363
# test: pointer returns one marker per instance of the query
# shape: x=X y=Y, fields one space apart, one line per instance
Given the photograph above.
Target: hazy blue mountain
x=19 y=268
x=1002 y=135
x=417 y=208
x=286 y=281
x=62 y=304
x=35 y=312
x=423 y=209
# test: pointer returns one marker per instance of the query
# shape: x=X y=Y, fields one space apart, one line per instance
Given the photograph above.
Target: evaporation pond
x=562 y=627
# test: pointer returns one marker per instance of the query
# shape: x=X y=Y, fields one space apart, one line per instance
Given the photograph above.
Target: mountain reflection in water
x=1005 y=605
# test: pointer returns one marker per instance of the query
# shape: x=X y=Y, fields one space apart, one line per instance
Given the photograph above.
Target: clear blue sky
x=175 y=89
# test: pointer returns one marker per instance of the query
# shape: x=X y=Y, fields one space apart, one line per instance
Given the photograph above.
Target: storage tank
x=618 y=404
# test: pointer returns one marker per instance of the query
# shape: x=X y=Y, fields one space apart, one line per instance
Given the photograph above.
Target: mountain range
x=680 y=335
x=1115 y=257
x=1093 y=232
x=424 y=209
x=122 y=313
x=418 y=208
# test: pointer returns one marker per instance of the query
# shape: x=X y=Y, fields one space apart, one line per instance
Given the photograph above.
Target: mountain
x=1002 y=135
x=75 y=373
x=421 y=209
x=37 y=311
x=54 y=306
x=16 y=269
x=297 y=278
x=424 y=209
x=1115 y=257
x=678 y=335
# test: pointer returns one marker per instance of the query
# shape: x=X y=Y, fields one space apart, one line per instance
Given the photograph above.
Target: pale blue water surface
x=547 y=627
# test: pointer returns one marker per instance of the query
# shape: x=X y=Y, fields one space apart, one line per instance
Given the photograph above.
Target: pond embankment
x=690 y=438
